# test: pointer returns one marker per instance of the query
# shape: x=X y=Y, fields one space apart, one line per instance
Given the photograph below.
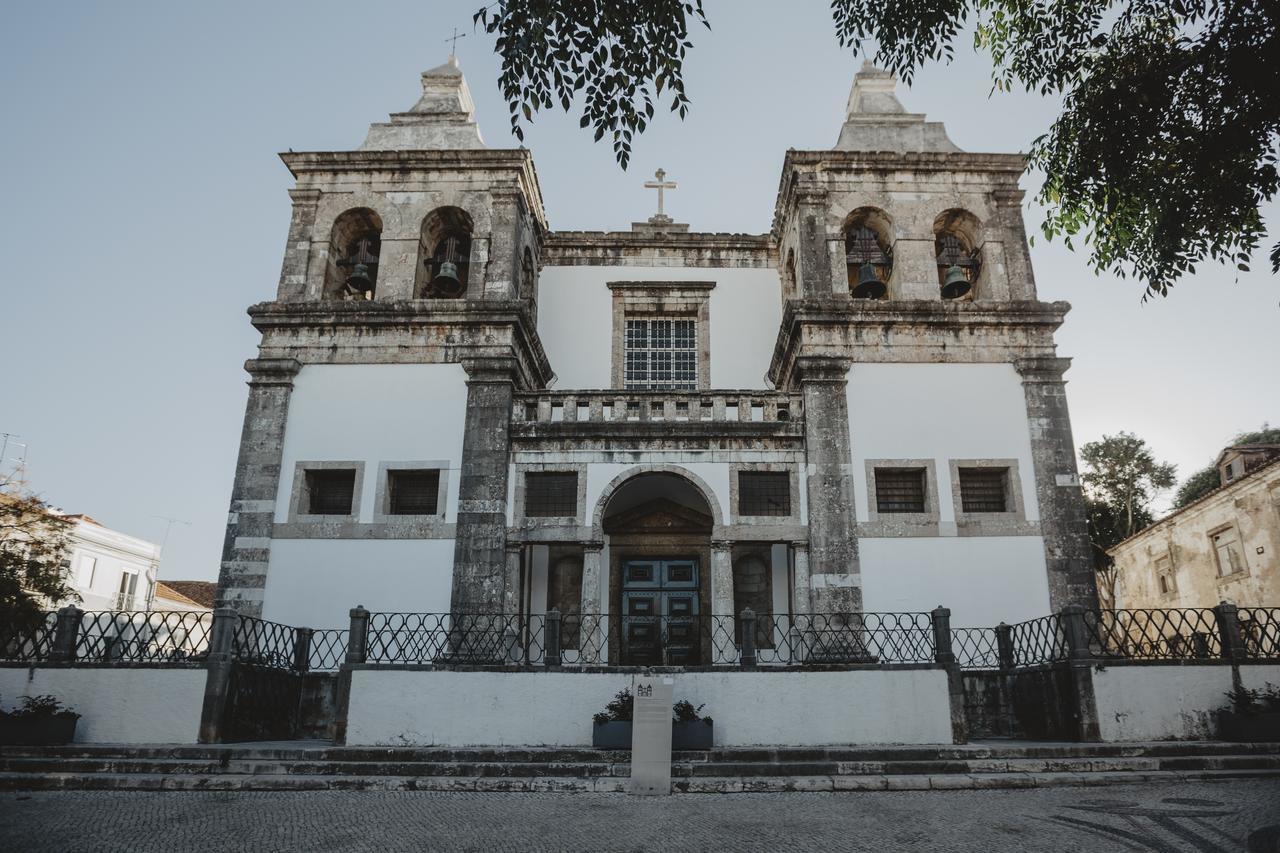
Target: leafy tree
x=1161 y=158
x=33 y=545
x=1205 y=480
x=1121 y=478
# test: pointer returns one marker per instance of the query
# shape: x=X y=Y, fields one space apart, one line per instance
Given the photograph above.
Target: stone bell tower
x=420 y=247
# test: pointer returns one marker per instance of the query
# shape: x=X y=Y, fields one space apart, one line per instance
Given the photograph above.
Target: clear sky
x=144 y=209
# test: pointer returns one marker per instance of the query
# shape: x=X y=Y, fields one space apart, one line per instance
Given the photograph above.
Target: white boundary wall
x=456 y=708
x=117 y=704
x=1167 y=702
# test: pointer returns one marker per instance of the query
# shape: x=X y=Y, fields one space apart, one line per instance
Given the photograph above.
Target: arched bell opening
x=957 y=245
x=444 y=250
x=658 y=529
x=355 y=246
x=868 y=252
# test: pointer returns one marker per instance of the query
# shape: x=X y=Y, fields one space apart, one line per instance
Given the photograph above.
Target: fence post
x=748 y=637
x=358 y=635
x=217 y=685
x=1075 y=632
x=1004 y=646
x=66 y=634
x=302 y=649
x=551 y=639
x=942 y=650
x=1229 y=633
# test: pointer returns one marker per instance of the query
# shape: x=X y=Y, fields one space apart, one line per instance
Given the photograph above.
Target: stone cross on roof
x=660 y=185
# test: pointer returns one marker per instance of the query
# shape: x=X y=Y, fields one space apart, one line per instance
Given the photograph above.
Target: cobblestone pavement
x=1205 y=818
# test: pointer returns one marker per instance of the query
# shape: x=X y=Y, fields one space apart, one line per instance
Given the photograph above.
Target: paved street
x=1206 y=818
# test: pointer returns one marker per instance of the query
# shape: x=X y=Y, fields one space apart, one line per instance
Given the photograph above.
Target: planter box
x=1249 y=728
x=617 y=735
x=37 y=730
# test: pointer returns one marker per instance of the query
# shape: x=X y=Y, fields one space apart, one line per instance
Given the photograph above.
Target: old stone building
x=1223 y=547
x=456 y=408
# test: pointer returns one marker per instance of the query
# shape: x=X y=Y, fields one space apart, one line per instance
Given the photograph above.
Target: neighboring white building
x=110 y=570
x=862 y=409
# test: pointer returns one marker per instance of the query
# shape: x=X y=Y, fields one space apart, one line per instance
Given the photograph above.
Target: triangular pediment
x=659 y=515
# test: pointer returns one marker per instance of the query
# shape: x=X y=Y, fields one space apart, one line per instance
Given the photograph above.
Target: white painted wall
x=575 y=321
x=374 y=414
x=944 y=412
x=554 y=708
x=939 y=412
x=117 y=705
x=315 y=582
x=985 y=580
x=1159 y=702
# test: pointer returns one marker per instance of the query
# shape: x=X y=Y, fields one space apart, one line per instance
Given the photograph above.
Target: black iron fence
x=573 y=639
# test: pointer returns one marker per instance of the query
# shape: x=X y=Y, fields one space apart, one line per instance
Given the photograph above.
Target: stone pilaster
x=511 y=582
x=297 y=251
x=815 y=260
x=834 y=576
x=246 y=548
x=721 y=628
x=479 y=554
x=800 y=590
x=1016 y=251
x=502 y=272
x=592 y=631
x=1063 y=520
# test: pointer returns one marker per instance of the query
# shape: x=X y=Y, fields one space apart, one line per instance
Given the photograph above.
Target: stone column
x=722 y=625
x=815 y=259
x=246 y=548
x=501 y=275
x=1063 y=520
x=834 y=576
x=479 y=552
x=297 y=251
x=511 y=591
x=593 y=632
x=800 y=581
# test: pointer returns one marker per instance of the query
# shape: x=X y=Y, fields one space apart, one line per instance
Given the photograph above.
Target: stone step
x=703 y=785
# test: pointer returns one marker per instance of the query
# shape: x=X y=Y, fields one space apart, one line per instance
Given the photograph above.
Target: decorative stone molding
x=902 y=524
x=1010 y=523
x=297 y=515
x=679 y=300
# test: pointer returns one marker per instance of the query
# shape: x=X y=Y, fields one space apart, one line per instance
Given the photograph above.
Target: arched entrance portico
x=661 y=576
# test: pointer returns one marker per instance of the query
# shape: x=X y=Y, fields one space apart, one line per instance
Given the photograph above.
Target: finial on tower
x=453 y=46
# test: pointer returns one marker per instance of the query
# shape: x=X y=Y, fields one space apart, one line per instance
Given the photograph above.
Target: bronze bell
x=869 y=284
x=359 y=282
x=956 y=283
x=445 y=282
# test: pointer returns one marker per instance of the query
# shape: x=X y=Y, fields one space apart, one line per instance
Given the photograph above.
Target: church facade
x=455 y=408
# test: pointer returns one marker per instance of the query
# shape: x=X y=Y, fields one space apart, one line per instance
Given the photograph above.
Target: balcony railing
x=618 y=406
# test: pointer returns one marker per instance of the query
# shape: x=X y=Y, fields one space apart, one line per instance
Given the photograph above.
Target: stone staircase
x=310 y=766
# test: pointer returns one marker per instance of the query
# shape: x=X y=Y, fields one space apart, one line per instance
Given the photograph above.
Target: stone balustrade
x=620 y=406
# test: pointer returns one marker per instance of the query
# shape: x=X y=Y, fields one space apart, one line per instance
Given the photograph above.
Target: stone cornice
x=410 y=331
x=305 y=164
x=912 y=331
x=635 y=248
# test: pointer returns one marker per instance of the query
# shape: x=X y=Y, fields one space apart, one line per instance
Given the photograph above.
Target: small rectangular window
x=900 y=490
x=984 y=489
x=552 y=494
x=764 y=493
x=413 y=492
x=330 y=491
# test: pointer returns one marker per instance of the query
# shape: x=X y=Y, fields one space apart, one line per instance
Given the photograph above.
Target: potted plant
x=40 y=721
x=1253 y=716
x=612 y=729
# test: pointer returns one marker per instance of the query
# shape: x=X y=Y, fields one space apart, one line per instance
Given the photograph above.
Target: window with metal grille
x=900 y=490
x=551 y=494
x=764 y=493
x=984 y=489
x=413 y=492
x=661 y=353
x=330 y=492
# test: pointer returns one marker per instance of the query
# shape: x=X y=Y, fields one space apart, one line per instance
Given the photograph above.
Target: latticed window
x=330 y=492
x=900 y=490
x=984 y=489
x=764 y=493
x=413 y=492
x=661 y=353
x=551 y=494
